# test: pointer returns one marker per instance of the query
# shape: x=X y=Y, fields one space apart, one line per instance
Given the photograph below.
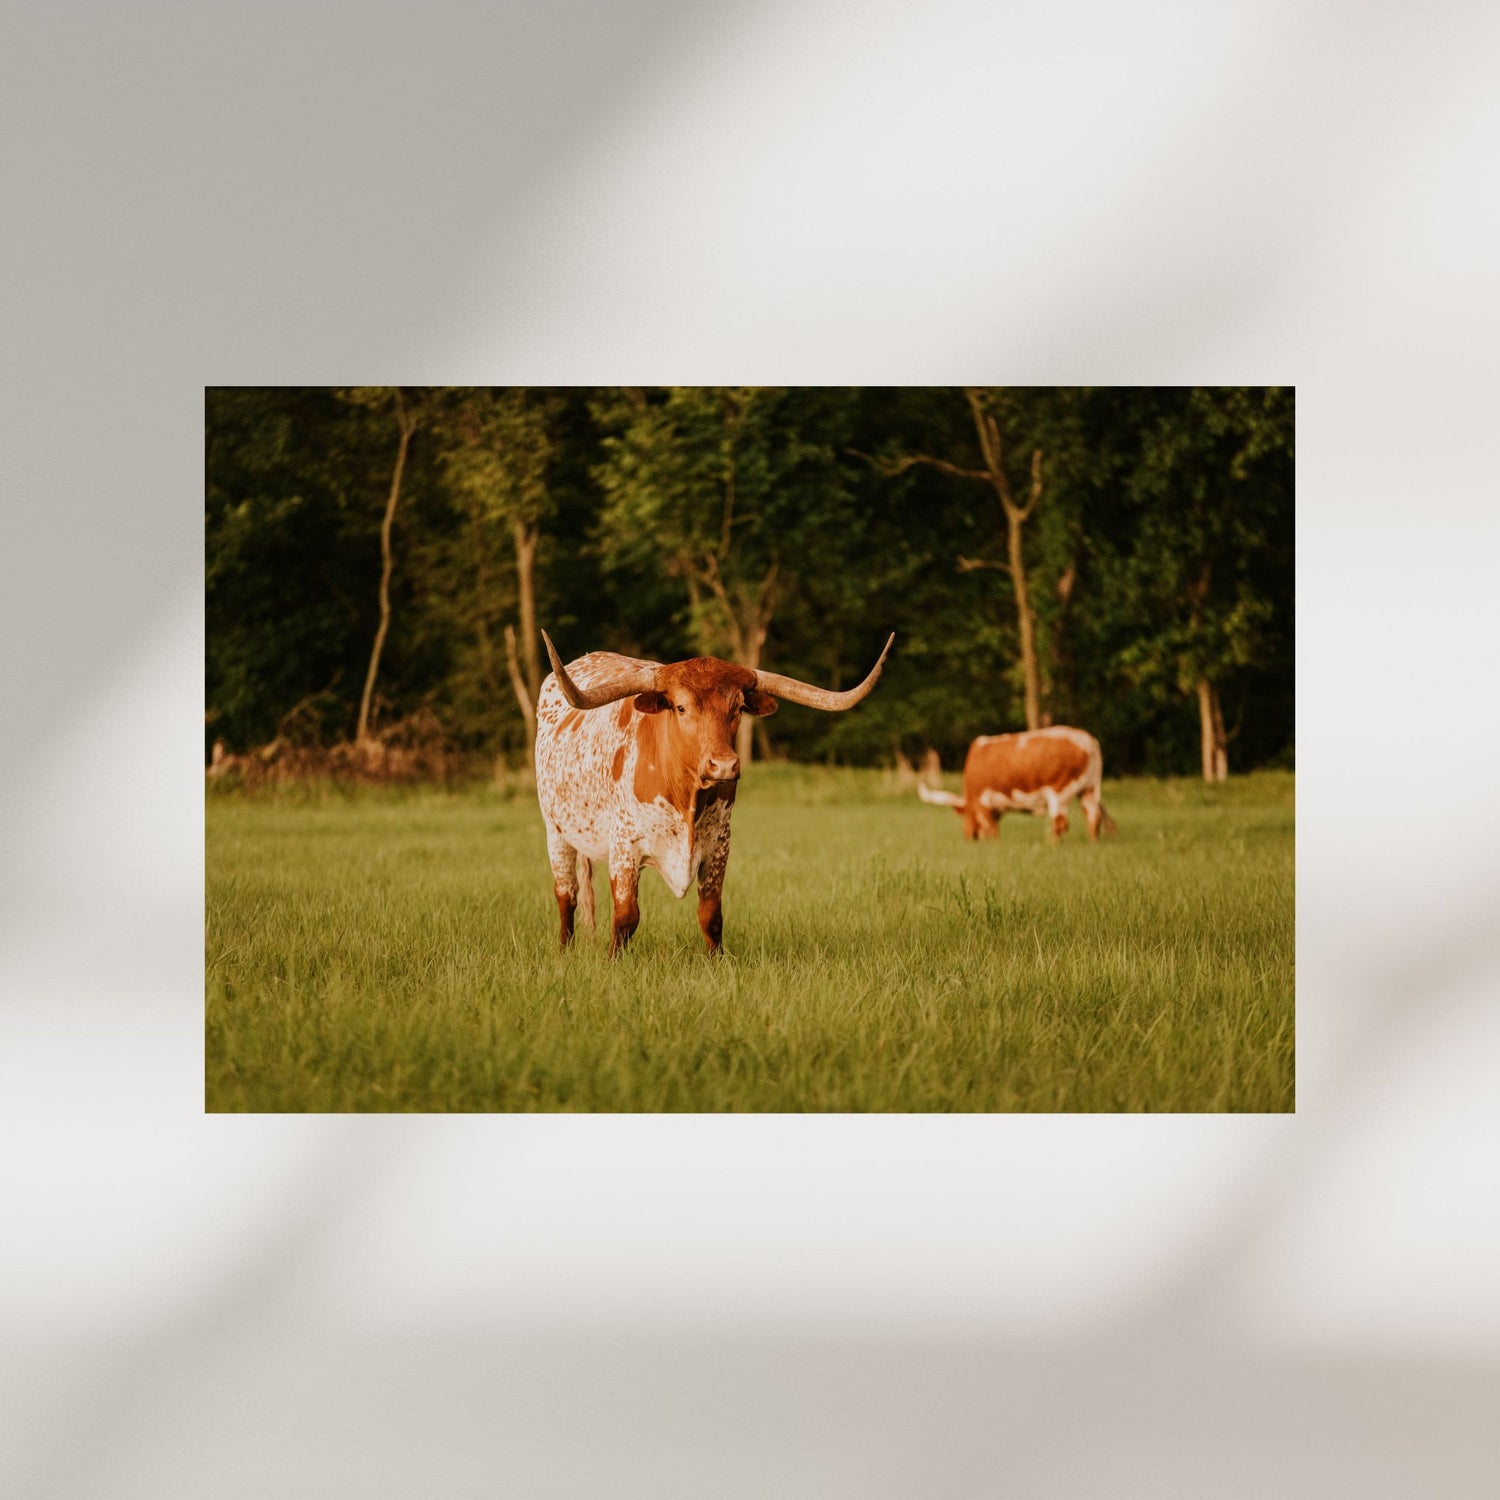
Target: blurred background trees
x=496 y=449
x=739 y=495
x=1120 y=559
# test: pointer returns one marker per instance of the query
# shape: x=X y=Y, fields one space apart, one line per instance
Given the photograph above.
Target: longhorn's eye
x=682 y=708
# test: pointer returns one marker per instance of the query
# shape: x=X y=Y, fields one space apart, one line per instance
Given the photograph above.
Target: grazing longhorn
x=635 y=765
x=1038 y=771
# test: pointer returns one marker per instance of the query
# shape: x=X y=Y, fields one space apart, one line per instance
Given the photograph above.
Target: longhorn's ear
x=758 y=704
x=652 y=703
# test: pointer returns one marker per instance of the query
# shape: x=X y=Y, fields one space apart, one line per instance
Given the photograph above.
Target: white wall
x=652 y=191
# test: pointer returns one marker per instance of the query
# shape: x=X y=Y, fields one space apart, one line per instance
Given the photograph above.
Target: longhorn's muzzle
x=720 y=768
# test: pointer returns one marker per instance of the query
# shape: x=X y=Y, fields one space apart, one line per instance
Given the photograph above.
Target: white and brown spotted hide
x=640 y=782
x=1038 y=771
x=648 y=776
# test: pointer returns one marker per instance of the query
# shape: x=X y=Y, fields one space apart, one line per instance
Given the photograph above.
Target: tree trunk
x=745 y=624
x=753 y=640
x=481 y=625
x=744 y=741
x=527 y=534
x=1211 y=725
x=524 y=699
x=362 y=727
x=1014 y=520
x=991 y=445
x=1215 y=743
x=762 y=738
x=1053 y=657
x=525 y=662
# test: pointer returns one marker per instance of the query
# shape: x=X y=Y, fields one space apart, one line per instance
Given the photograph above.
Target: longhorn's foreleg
x=624 y=881
x=1057 y=811
x=981 y=818
x=564 y=860
x=711 y=891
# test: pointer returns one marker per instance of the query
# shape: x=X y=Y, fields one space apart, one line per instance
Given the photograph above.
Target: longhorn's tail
x=939 y=798
x=585 y=912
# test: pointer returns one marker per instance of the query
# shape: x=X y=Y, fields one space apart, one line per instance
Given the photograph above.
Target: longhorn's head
x=979 y=822
x=701 y=701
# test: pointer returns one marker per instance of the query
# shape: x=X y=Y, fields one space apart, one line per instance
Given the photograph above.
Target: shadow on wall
x=333 y=228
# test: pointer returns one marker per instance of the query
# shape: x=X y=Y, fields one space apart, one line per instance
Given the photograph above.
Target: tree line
x=1116 y=558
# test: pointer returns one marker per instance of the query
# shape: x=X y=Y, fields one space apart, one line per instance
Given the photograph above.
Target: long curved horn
x=939 y=798
x=612 y=677
x=816 y=697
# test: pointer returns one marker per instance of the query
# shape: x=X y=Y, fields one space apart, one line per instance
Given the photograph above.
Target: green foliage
x=291 y=561
x=397 y=952
x=662 y=513
x=496 y=450
x=1209 y=482
x=498 y=447
x=737 y=493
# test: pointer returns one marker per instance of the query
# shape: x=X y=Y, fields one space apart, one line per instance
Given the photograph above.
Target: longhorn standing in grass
x=1039 y=771
x=635 y=765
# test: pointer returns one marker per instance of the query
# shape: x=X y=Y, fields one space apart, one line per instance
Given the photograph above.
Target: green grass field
x=398 y=952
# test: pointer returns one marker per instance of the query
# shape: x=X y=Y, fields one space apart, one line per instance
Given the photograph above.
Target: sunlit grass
x=398 y=952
